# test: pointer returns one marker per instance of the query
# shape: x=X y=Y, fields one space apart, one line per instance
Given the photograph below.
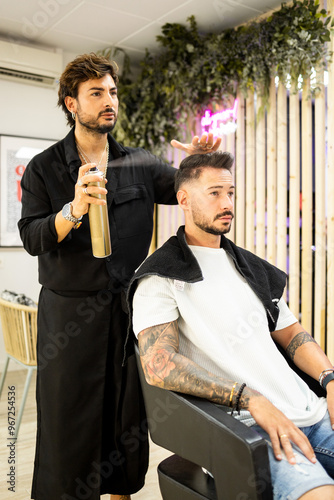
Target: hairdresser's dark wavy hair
x=192 y=166
x=83 y=68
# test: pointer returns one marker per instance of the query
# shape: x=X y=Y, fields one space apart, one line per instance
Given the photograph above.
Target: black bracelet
x=237 y=399
x=327 y=379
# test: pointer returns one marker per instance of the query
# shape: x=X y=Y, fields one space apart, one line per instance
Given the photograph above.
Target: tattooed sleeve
x=166 y=368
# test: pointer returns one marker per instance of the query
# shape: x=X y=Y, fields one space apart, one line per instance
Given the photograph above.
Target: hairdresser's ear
x=183 y=199
x=71 y=104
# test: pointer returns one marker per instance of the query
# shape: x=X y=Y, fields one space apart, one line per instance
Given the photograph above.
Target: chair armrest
x=200 y=431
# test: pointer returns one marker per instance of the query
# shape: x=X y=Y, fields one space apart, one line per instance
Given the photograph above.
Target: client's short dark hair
x=192 y=166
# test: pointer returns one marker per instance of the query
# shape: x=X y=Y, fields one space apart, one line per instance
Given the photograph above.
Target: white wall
x=30 y=111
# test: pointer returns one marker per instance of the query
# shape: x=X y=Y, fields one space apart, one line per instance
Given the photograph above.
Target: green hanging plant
x=298 y=40
x=195 y=71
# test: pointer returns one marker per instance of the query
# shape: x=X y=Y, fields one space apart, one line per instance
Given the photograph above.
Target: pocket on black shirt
x=131 y=209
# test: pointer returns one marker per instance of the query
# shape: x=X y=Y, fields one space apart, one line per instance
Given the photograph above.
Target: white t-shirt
x=223 y=328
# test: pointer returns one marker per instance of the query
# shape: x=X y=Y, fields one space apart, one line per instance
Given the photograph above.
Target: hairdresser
x=91 y=427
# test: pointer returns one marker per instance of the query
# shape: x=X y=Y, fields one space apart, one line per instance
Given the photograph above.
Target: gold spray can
x=99 y=223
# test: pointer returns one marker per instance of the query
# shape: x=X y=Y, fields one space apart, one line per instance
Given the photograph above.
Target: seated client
x=207 y=315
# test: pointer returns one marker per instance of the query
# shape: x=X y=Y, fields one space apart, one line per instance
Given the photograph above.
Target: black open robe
x=92 y=433
x=91 y=436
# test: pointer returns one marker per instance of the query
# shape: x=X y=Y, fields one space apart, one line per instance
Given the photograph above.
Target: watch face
x=66 y=210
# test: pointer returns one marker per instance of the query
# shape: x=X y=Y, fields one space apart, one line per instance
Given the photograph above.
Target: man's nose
x=108 y=101
x=227 y=203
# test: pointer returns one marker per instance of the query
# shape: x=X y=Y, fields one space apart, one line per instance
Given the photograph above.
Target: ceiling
x=79 y=26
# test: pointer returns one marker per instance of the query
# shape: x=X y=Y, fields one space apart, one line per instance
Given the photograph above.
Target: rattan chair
x=19 y=328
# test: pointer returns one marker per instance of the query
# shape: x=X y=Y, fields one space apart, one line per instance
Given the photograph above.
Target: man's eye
x=214 y=193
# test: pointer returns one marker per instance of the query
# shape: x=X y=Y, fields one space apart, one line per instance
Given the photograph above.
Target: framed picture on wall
x=15 y=154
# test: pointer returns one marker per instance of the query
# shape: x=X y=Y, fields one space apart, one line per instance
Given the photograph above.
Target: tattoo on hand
x=300 y=339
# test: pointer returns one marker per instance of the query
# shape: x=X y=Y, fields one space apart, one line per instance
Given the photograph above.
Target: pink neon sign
x=221 y=123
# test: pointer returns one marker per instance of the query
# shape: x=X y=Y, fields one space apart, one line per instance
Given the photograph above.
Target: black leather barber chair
x=204 y=435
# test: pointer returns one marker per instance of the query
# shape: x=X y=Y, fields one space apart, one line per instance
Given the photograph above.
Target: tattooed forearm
x=166 y=368
x=299 y=339
x=165 y=335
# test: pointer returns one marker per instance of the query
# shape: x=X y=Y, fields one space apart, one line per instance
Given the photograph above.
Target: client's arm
x=307 y=355
x=166 y=368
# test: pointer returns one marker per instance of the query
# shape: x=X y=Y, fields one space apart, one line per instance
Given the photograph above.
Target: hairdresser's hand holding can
x=90 y=196
x=99 y=220
x=88 y=174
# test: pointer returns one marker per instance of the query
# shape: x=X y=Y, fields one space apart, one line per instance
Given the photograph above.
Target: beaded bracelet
x=237 y=400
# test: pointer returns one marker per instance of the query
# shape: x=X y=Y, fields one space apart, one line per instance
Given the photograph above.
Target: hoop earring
x=73 y=115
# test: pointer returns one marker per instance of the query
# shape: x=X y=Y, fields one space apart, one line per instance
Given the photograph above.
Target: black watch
x=327 y=379
x=67 y=214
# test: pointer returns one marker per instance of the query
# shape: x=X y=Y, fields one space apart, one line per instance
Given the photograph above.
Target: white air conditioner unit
x=29 y=65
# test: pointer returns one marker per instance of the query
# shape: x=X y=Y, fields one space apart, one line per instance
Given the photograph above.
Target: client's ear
x=183 y=199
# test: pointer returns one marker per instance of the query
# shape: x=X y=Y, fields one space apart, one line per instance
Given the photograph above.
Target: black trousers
x=91 y=423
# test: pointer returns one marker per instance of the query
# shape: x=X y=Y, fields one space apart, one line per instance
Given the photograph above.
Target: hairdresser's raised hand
x=202 y=145
x=84 y=190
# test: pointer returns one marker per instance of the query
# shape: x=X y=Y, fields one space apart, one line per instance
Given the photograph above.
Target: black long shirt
x=136 y=180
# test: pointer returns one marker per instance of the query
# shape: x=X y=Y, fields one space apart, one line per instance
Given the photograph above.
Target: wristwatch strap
x=327 y=379
x=71 y=217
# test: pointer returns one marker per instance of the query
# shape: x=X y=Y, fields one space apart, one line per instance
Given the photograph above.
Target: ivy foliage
x=194 y=70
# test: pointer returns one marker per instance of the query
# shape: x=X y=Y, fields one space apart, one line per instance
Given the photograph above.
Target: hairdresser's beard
x=93 y=125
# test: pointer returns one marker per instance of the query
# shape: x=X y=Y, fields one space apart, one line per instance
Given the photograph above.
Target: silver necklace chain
x=87 y=160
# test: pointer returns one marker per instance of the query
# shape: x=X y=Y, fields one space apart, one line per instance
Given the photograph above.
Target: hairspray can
x=99 y=222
